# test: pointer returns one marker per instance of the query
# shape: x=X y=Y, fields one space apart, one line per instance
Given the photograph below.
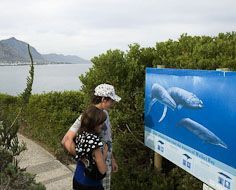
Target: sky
x=88 y=28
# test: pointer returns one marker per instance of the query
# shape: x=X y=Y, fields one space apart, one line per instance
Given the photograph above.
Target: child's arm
x=99 y=158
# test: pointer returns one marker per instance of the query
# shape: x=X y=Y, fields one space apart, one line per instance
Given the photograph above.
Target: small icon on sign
x=187 y=161
x=160 y=146
x=224 y=180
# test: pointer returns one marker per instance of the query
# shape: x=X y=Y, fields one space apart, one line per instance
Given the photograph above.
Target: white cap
x=106 y=90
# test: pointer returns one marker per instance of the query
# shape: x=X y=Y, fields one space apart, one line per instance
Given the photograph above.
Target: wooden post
x=160 y=66
x=223 y=69
x=157 y=157
x=157 y=161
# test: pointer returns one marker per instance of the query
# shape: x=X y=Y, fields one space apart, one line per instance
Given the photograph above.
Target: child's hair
x=98 y=99
x=91 y=118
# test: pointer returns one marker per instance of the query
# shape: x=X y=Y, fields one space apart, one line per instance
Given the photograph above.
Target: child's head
x=105 y=96
x=92 y=120
x=105 y=102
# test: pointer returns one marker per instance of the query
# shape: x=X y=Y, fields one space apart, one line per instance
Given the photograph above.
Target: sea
x=51 y=77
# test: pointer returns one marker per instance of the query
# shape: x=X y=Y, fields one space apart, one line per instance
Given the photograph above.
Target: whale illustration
x=160 y=94
x=184 y=98
x=202 y=132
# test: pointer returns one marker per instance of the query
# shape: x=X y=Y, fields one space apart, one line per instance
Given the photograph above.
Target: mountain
x=60 y=58
x=13 y=50
x=16 y=51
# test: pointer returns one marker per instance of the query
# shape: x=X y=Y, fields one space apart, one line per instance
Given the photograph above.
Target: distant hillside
x=58 y=58
x=15 y=51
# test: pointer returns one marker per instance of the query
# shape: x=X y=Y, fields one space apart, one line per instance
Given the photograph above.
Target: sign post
x=158 y=161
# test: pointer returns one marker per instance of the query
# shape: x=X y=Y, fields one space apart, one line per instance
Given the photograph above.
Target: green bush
x=11 y=176
x=198 y=52
x=48 y=116
x=9 y=107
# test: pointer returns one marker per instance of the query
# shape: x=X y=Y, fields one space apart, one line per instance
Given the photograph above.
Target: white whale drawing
x=160 y=94
x=201 y=132
x=184 y=98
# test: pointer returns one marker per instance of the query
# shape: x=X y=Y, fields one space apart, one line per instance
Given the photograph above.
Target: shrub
x=48 y=116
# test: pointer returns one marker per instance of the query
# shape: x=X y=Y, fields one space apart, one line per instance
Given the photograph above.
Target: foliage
x=198 y=52
x=27 y=92
x=9 y=107
x=50 y=115
x=11 y=176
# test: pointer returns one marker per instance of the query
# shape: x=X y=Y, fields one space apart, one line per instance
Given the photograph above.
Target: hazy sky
x=90 y=27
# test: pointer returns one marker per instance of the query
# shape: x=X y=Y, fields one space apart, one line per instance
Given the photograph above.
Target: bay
x=53 y=77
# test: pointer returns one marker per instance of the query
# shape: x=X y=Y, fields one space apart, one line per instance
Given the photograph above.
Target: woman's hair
x=98 y=99
x=91 y=118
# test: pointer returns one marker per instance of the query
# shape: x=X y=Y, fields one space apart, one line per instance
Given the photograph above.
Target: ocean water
x=55 y=77
x=217 y=90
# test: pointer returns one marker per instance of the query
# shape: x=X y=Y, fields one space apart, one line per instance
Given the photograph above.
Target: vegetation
x=11 y=175
x=48 y=116
x=198 y=52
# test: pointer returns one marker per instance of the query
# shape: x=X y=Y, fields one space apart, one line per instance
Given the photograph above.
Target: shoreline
x=24 y=64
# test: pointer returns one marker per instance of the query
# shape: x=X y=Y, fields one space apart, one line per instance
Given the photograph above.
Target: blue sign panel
x=190 y=119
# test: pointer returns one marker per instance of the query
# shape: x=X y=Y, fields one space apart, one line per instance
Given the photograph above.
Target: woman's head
x=92 y=120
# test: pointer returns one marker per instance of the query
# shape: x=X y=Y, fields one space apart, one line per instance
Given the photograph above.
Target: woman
x=90 y=151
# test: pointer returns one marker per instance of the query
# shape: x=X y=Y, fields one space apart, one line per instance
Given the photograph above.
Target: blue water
x=218 y=93
x=54 y=77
